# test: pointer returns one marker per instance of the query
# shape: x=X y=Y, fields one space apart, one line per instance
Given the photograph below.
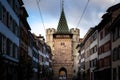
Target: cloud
x=51 y=11
x=102 y=3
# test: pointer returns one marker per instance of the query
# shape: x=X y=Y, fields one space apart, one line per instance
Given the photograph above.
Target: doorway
x=62 y=74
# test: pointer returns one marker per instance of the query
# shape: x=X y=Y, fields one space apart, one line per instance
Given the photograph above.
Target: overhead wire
x=83 y=13
x=40 y=13
x=61 y=5
x=39 y=1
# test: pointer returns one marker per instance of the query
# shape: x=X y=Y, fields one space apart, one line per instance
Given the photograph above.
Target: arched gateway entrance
x=62 y=74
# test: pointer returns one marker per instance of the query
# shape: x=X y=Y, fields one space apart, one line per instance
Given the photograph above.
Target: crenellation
x=75 y=31
x=50 y=31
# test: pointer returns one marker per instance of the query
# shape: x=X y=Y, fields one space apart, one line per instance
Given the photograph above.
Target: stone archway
x=62 y=74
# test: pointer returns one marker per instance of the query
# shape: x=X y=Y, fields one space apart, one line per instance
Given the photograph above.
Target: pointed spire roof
x=62 y=25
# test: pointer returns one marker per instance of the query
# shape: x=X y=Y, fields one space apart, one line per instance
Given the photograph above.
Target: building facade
x=24 y=43
x=115 y=42
x=115 y=31
x=22 y=55
x=42 y=58
x=104 y=50
x=9 y=39
x=89 y=53
x=101 y=48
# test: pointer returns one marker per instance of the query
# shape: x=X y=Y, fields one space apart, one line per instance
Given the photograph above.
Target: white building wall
x=82 y=60
x=94 y=43
x=82 y=52
x=116 y=43
x=108 y=53
x=10 y=10
x=104 y=40
x=93 y=56
x=4 y=30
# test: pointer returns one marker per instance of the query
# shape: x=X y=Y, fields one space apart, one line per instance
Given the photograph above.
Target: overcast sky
x=51 y=10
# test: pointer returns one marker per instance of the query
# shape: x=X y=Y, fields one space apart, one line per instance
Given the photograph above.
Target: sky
x=51 y=10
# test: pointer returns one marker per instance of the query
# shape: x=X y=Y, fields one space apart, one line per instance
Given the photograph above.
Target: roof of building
x=115 y=22
x=62 y=25
x=114 y=7
x=106 y=18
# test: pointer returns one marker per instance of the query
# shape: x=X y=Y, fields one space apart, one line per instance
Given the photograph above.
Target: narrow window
x=1 y=11
x=13 y=50
x=106 y=30
x=4 y=44
x=101 y=35
x=115 y=54
x=16 y=52
x=8 y=47
x=4 y=15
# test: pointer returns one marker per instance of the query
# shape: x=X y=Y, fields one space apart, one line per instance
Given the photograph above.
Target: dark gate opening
x=62 y=74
